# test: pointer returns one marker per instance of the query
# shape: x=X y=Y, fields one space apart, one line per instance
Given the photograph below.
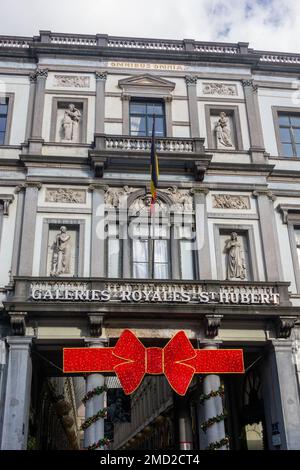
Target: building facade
x=82 y=258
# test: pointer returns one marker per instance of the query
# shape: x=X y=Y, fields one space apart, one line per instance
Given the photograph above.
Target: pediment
x=146 y=81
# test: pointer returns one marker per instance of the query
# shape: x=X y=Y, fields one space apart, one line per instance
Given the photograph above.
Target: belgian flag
x=154 y=167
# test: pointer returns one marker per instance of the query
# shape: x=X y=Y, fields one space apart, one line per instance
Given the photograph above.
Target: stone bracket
x=6 y=200
x=96 y=324
x=284 y=326
x=200 y=167
x=212 y=325
x=98 y=164
x=17 y=323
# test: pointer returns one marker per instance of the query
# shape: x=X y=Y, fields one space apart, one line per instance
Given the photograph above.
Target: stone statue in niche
x=61 y=253
x=236 y=268
x=223 y=132
x=70 y=124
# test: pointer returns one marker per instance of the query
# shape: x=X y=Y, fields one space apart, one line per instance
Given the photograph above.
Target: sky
x=266 y=24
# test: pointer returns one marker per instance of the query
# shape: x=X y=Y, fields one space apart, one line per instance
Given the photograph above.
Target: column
x=254 y=122
x=191 y=83
x=169 y=119
x=98 y=233
x=17 y=398
x=20 y=190
x=100 y=102
x=95 y=431
x=28 y=229
x=210 y=408
x=281 y=396
x=38 y=112
x=202 y=238
x=32 y=80
x=184 y=422
x=269 y=235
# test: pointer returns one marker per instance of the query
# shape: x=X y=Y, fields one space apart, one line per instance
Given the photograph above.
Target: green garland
x=101 y=443
x=211 y=421
x=218 y=444
x=95 y=391
x=214 y=393
x=92 y=419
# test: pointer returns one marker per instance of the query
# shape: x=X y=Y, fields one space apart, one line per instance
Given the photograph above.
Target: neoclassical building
x=82 y=259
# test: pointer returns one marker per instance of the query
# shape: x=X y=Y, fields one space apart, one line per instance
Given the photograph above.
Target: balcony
x=126 y=152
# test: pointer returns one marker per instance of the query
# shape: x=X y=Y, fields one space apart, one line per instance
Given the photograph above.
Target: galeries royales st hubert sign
x=153 y=292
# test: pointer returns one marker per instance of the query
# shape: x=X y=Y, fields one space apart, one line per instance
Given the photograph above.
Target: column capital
x=32 y=77
x=250 y=84
x=191 y=80
x=264 y=192
x=33 y=184
x=125 y=97
x=284 y=326
x=19 y=342
x=100 y=75
x=41 y=73
x=96 y=324
x=201 y=190
x=97 y=187
x=96 y=342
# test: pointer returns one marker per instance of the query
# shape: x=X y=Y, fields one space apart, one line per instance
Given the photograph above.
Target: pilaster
x=28 y=229
x=98 y=233
x=191 y=83
x=100 y=102
x=202 y=238
x=17 y=398
x=269 y=235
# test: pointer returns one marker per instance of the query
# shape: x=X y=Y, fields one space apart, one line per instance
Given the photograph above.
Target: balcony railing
x=142 y=144
x=167 y=45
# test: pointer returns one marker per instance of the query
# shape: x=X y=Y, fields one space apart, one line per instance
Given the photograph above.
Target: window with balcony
x=289 y=133
x=141 y=118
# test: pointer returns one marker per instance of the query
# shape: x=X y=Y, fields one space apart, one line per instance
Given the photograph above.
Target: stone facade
x=220 y=260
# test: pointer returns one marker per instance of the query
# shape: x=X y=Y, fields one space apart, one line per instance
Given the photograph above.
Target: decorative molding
x=219 y=89
x=66 y=195
x=146 y=80
x=289 y=211
x=17 y=323
x=96 y=324
x=284 y=326
x=5 y=201
x=230 y=201
x=74 y=81
x=212 y=325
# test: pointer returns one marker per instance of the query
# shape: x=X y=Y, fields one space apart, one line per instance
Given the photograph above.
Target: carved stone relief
x=219 y=89
x=76 y=81
x=142 y=203
x=66 y=195
x=236 y=267
x=229 y=201
x=114 y=196
x=182 y=199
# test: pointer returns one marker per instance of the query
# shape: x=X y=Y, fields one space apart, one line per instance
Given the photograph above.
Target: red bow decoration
x=130 y=360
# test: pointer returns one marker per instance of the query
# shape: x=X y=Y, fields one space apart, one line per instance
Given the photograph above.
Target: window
x=141 y=118
x=113 y=251
x=3 y=119
x=150 y=252
x=187 y=262
x=289 y=131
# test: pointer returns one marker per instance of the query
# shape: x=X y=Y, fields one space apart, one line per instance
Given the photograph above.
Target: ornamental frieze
x=229 y=201
x=66 y=195
x=68 y=81
x=219 y=89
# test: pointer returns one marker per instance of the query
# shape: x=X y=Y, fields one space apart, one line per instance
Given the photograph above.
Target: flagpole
x=152 y=210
